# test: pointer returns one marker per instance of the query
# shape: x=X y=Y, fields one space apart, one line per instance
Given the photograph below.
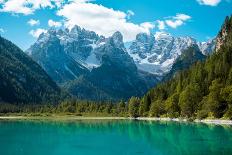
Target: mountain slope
x=51 y=51
x=21 y=79
x=156 y=54
x=74 y=56
x=188 y=57
x=117 y=77
x=204 y=90
x=114 y=72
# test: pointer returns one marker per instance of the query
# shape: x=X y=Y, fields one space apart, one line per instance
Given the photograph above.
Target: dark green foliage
x=189 y=99
x=203 y=90
x=214 y=101
x=21 y=79
x=145 y=105
x=188 y=58
x=133 y=107
x=69 y=107
x=157 y=108
x=172 y=106
x=109 y=82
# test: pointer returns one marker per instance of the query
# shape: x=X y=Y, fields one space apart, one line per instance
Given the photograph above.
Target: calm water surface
x=112 y=138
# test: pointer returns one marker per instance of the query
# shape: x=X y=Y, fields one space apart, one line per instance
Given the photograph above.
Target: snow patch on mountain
x=154 y=54
x=157 y=53
x=92 y=61
x=77 y=43
x=208 y=47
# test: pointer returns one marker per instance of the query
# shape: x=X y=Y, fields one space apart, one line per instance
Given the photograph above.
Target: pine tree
x=134 y=107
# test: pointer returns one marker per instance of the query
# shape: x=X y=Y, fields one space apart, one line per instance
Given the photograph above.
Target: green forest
x=202 y=91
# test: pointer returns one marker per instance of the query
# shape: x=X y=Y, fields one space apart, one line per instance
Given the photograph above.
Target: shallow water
x=104 y=137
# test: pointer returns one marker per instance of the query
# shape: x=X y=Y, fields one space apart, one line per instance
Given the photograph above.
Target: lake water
x=112 y=138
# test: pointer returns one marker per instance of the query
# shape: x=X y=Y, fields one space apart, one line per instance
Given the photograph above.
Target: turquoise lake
x=106 y=137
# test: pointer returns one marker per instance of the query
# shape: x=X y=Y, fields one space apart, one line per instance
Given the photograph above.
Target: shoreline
x=206 y=121
x=63 y=118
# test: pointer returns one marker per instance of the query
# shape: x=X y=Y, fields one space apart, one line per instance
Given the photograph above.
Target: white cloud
x=16 y=6
x=33 y=22
x=102 y=20
x=27 y=7
x=52 y=23
x=130 y=13
x=36 y=33
x=147 y=25
x=174 y=24
x=161 y=25
x=177 y=20
x=182 y=17
x=209 y=2
x=2 y=30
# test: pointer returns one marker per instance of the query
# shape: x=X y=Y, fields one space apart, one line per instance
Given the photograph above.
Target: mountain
x=188 y=57
x=224 y=36
x=58 y=51
x=204 y=90
x=81 y=61
x=74 y=56
x=207 y=48
x=157 y=53
x=22 y=80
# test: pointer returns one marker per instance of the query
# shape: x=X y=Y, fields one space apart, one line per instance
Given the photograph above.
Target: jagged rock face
x=66 y=55
x=115 y=52
x=106 y=66
x=142 y=45
x=55 y=54
x=207 y=48
x=223 y=34
x=156 y=54
x=117 y=77
x=79 y=55
x=221 y=39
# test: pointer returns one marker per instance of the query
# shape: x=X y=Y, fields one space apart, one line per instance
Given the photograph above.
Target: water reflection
x=113 y=137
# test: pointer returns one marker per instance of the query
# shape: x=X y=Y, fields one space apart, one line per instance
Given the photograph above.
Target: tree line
x=204 y=90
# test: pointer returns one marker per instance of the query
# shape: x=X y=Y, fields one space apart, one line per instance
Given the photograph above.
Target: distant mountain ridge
x=80 y=55
x=157 y=53
x=22 y=80
x=72 y=56
x=188 y=57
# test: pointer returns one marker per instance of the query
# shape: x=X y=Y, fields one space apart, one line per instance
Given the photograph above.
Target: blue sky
x=21 y=21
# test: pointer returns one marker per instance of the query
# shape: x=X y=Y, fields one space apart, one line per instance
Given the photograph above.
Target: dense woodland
x=22 y=79
x=69 y=107
x=202 y=91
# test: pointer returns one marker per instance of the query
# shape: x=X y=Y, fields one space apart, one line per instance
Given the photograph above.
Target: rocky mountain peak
x=144 y=38
x=116 y=40
x=208 y=47
x=117 y=37
x=157 y=53
x=52 y=31
x=225 y=30
x=76 y=29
